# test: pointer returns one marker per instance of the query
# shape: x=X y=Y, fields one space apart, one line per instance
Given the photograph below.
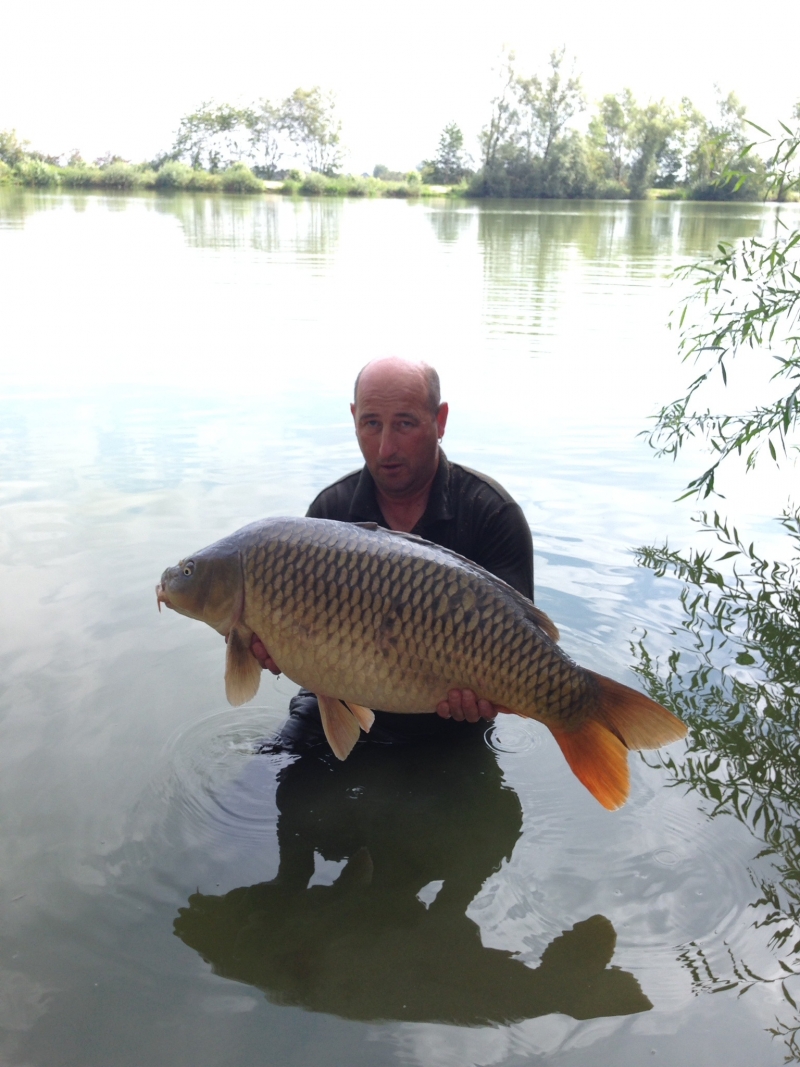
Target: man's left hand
x=464 y=706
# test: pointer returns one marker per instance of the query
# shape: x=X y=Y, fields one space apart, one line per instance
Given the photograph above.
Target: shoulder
x=468 y=482
x=334 y=501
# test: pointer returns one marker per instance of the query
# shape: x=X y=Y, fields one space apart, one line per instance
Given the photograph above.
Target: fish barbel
x=372 y=618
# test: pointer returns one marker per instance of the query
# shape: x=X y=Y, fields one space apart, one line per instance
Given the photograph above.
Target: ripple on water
x=208 y=787
x=513 y=735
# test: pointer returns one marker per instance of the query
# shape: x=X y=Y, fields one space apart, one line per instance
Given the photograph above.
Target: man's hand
x=259 y=650
x=462 y=705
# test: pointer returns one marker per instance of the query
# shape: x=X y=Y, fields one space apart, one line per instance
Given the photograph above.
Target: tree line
x=530 y=146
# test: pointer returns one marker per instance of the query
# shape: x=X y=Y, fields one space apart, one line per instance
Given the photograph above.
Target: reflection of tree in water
x=451 y=222
x=307 y=227
x=736 y=683
x=381 y=942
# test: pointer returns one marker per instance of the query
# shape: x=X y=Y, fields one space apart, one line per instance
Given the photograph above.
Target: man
x=408 y=484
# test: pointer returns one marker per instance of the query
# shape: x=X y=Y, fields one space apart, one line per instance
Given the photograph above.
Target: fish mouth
x=162 y=598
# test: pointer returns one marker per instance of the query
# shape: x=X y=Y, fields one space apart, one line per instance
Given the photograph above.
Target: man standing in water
x=408 y=484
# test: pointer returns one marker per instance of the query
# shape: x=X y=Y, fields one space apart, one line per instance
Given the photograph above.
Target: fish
x=372 y=618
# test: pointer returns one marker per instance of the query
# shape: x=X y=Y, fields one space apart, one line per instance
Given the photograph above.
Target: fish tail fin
x=598 y=759
x=622 y=719
x=636 y=719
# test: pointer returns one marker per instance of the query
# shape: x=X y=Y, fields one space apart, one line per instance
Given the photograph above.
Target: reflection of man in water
x=417 y=839
x=408 y=484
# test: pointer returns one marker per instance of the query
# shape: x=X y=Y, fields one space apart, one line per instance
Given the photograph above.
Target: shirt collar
x=364 y=505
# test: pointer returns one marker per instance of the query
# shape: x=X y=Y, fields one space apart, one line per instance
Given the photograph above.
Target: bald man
x=407 y=483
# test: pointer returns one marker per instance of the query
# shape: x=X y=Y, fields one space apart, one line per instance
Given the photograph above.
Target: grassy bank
x=174 y=177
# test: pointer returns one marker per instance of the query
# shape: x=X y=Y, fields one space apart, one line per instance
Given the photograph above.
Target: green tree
x=451 y=163
x=610 y=134
x=501 y=131
x=265 y=125
x=745 y=303
x=716 y=147
x=546 y=106
x=527 y=148
x=12 y=150
x=309 y=119
x=653 y=137
x=211 y=138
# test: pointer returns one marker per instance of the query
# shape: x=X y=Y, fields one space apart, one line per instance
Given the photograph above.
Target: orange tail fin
x=598 y=759
x=636 y=719
x=622 y=719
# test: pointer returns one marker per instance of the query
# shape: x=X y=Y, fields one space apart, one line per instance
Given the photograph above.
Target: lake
x=174 y=367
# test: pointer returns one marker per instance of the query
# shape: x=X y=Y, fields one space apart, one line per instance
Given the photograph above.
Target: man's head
x=399 y=420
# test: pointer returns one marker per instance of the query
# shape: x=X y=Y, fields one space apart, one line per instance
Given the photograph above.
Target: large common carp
x=372 y=618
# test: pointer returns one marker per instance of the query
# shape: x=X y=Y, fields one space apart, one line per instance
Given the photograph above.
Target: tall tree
x=451 y=163
x=309 y=119
x=653 y=139
x=212 y=137
x=503 y=122
x=610 y=133
x=265 y=124
x=547 y=106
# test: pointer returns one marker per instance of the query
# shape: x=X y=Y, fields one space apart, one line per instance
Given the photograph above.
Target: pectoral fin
x=242 y=669
x=365 y=716
x=340 y=725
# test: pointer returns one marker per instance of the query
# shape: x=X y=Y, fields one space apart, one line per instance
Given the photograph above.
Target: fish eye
x=188 y=568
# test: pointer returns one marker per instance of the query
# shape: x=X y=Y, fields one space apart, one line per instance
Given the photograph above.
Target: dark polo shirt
x=467 y=512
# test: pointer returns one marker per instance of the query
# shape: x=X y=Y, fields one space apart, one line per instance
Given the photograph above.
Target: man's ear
x=353 y=411
x=441 y=419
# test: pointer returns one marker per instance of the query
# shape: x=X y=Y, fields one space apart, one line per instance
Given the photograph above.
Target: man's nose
x=387 y=443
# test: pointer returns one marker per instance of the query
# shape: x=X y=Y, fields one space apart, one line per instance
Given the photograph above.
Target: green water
x=171 y=368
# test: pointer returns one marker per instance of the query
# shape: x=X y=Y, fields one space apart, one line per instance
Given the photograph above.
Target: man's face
x=397 y=432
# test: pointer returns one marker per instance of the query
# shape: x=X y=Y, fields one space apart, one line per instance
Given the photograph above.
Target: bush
x=5 y=173
x=35 y=172
x=202 y=181
x=670 y=194
x=80 y=176
x=610 y=190
x=119 y=175
x=173 y=175
x=313 y=184
x=240 y=179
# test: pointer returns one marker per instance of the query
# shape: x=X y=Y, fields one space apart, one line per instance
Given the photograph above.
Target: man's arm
x=507 y=548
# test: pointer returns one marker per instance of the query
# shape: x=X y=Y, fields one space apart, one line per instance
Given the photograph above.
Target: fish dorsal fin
x=242 y=669
x=543 y=621
x=536 y=615
x=374 y=527
x=340 y=725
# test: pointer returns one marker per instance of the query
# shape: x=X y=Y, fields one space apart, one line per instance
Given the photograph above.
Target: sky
x=105 y=77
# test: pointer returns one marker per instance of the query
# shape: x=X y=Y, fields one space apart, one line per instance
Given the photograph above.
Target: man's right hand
x=259 y=650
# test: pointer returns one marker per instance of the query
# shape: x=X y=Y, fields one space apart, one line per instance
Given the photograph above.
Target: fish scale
x=374 y=619
x=300 y=605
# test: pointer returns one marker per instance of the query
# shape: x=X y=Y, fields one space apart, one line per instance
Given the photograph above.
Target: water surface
x=175 y=367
